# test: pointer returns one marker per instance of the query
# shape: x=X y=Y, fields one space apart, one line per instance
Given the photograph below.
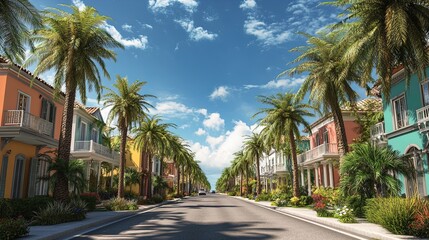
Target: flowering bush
x=320 y=206
x=420 y=225
x=294 y=201
x=280 y=202
x=345 y=215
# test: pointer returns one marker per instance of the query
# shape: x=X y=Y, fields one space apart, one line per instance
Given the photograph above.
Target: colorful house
x=87 y=145
x=406 y=127
x=319 y=165
x=30 y=126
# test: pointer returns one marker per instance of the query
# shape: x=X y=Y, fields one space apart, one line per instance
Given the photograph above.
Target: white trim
x=28 y=103
x=405 y=120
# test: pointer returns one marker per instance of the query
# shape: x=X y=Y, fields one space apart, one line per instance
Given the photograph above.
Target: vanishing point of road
x=212 y=217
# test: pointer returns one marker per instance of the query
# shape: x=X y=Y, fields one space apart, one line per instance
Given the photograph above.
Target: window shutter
x=33 y=173
x=44 y=110
x=3 y=175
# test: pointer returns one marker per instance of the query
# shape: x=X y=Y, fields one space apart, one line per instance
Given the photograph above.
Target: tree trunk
x=178 y=179
x=294 y=165
x=340 y=130
x=241 y=184
x=61 y=189
x=247 y=178
x=258 y=176
x=124 y=130
x=149 y=177
x=183 y=180
x=142 y=173
x=189 y=181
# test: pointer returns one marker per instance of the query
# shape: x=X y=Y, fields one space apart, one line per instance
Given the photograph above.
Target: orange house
x=30 y=126
x=319 y=165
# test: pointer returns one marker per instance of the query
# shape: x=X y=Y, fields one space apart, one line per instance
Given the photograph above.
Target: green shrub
x=90 y=199
x=280 y=202
x=26 y=207
x=231 y=193
x=294 y=201
x=420 y=225
x=263 y=197
x=11 y=228
x=6 y=210
x=305 y=200
x=357 y=203
x=157 y=198
x=250 y=196
x=395 y=214
x=118 y=204
x=345 y=215
x=59 y=212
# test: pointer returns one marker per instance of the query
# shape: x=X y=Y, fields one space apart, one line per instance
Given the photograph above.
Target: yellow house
x=30 y=127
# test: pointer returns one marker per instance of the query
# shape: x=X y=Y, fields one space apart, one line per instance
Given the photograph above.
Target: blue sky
x=207 y=61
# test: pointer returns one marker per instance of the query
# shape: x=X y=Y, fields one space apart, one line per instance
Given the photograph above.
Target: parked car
x=213 y=191
x=201 y=192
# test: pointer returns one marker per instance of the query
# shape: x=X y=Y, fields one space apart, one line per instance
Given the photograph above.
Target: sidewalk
x=93 y=219
x=362 y=228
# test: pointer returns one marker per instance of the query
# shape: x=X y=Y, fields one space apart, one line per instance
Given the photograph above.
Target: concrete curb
x=94 y=219
x=367 y=230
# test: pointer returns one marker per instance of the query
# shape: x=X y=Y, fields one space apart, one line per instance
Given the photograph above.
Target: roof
x=367 y=104
x=7 y=61
x=91 y=110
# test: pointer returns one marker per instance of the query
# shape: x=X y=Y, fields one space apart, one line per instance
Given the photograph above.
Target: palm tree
x=281 y=122
x=74 y=44
x=128 y=106
x=253 y=149
x=367 y=171
x=240 y=165
x=131 y=177
x=16 y=18
x=151 y=138
x=386 y=33
x=328 y=84
x=73 y=170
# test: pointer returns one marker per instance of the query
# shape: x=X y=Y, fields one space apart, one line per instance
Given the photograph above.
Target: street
x=212 y=217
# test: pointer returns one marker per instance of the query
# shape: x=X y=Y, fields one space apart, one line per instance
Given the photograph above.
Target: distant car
x=213 y=191
x=201 y=192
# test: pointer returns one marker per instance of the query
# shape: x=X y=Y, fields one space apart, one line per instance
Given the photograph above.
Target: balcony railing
x=27 y=120
x=423 y=118
x=377 y=131
x=318 y=152
x=91 y=146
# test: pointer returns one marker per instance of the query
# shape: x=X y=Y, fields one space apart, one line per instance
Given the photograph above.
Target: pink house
x=319 y=165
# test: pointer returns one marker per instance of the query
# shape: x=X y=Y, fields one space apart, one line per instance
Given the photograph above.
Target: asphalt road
x=212 y=217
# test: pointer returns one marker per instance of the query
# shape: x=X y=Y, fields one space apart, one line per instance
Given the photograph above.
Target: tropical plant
x=131 y=177
x=328 y=84
x=118 y=204
x=73 y=170
x=16 y=19
x=60 y=212
x=385 y=34
x=128 y=106
x=369 y=171
x=151 y=138
x=282 y=119
x=254 y=148
x=13 y=228
x=74 y=45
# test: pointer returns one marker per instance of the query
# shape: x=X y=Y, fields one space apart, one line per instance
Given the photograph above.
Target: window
x=425 y=93
x=18 y=175
x=48 y=111
x=3 y=173
x=400 y=112
x=83 y=131
x=23 y=102
x=94 y=135
x=416 y=185
x=325 y=136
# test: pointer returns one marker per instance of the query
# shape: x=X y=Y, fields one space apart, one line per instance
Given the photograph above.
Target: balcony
x=27 y=128
x=94 y=151
x=378 y=134
x=27 y=120
x=423 y=119
x=321 y=152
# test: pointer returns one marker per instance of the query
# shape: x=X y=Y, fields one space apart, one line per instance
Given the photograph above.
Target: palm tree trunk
x=340 y=130
x=189 y=186
x=61 y=189
x=294 y=164
x=247 y=178
x=142 y=174
x=183 y=180
x=122 y=159
x=258 y=176
x=241 y=184
x=178 y=179
x=149 y=177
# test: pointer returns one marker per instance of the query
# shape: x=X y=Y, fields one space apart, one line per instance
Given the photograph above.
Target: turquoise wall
x=413 y=100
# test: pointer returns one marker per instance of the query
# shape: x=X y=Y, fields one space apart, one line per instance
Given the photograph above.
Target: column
x=316 y=174
x=308 y=182
x=302 y=176
x=111 y=176
x=331 y=175
x=325 y=175
x=99 y=175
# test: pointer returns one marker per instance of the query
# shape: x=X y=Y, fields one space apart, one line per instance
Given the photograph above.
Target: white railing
x=423 y=118
x=281 y=167
x=91 y=146
x=27 y=120
x=318 y=152
x=377 y=130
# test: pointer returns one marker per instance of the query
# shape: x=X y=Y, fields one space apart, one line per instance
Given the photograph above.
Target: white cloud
x=170 y=108
x=200 y=132
x=127 y=27
x=79 y=4
x=196 y=33
x=223 y=151
x=214 y=141
x=248 y=4
x=160 y=5
x=140 y=42
x=280 y=83
x=272 y=34
x=202 y=111
x=220 y=92
x=214 y=121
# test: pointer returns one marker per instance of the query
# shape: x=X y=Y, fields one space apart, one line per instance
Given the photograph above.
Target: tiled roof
x=91 y=110
x=4 y=60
